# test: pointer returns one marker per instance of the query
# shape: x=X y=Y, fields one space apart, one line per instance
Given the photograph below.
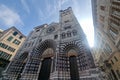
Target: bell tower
x=74 y=56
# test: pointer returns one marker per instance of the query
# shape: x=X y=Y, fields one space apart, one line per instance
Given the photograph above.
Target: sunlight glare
x=87 y=26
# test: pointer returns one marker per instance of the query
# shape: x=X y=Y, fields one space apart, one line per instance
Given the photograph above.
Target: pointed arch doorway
x=73 y=64
x=46 y=63
x=45 y=69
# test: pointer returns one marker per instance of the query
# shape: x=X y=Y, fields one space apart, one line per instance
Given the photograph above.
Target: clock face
x=50 y=29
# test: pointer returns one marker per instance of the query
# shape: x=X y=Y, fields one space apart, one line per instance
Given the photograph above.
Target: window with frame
x=37 y=30
x=55 y=36
x=69 y=34
x=3 y=45
x=67 y=27
x=9 y=56
x=63 y=35
x=10 y=49
x=109 y=50
x=1 y=53
x=15 y=33
x=10 y=38
x=102 y=8
x=114 y=32
x=20 y=37
x=6 y=46
x=66 y=21
x=5 y=55
x=16 y=42
x=74 y=32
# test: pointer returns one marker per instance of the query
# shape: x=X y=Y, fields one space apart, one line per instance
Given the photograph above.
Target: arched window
x=74 y=32
x=68 y=34
x=73 y=64
x=63 y=35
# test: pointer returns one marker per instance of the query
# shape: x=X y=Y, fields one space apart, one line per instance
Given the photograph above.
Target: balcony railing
x=114 y=25
x=107 y=64
x=116 y=6
x=115 y=2
x=116 y=16
x=115 y=19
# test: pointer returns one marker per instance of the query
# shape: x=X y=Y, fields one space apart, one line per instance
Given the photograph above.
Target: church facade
x=58 y=51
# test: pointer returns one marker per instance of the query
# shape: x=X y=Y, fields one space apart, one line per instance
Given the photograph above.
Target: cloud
x=48 y=12
x=64 y=1
x=53 y=7
x=25 y=5
x=61 y=3
x=40 y=14
x=8 y=17
x=87 y=26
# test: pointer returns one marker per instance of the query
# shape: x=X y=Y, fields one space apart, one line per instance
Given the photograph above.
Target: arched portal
x=48 y=52
x=72 y=52
x=46 y=64
x=73 y=64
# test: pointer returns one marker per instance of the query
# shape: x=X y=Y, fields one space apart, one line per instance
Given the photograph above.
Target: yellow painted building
x=114 y=60
x=106 y=18
x=10 y=41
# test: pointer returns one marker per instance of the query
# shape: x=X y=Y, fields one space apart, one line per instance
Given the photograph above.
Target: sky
x=27 y=14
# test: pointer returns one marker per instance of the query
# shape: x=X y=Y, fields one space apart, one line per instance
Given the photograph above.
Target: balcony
x=117 y=16
x=116 y=2
x=114 y=25
x=116 y=6
x=115 y=19
x=107 y=64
